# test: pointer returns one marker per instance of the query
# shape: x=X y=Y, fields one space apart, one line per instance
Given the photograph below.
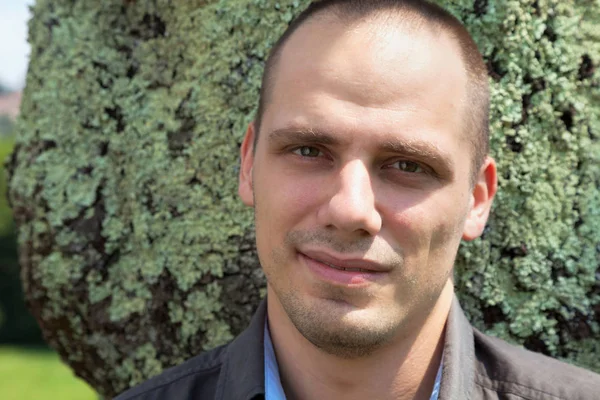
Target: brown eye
x=407 y=166
x=307 y=151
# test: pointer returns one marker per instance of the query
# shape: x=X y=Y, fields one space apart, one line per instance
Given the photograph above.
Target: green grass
x=38 y=374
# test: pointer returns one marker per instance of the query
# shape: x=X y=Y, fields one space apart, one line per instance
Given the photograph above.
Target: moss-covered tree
x=135 y=251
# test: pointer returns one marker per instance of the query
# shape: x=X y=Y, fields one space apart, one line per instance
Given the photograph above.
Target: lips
x=346 y=269
x=345 y=264
x=345 y=272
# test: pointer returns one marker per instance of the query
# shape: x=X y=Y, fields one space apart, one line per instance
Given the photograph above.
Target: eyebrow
x=419 y=149
x=302 y=134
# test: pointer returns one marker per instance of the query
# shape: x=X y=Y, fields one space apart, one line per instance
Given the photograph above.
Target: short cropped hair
x=416 y=13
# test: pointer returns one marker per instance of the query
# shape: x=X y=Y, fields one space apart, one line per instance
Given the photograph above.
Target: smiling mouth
x=345 y=269
x=357 y=265
x=349 y=274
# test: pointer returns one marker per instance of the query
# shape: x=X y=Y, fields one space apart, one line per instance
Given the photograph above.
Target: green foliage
x=6 y=147
x=6 y=126
x=136 y=251
x=17 y=326
x=38 y=374
x=11 y=298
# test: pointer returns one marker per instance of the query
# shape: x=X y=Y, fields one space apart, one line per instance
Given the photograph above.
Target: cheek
x=284 y=198
x=410 y=226
x=428 y=227
x=281 y=205
x=447 y=228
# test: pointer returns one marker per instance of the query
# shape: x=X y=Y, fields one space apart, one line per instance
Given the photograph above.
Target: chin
x=340 y=328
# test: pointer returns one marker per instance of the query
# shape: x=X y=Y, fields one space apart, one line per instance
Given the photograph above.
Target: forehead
x=379 y=74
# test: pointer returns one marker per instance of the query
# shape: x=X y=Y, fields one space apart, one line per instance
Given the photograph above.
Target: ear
x=246 y=187
x=482 y=196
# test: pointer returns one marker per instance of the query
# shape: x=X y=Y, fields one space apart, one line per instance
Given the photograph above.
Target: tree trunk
x=135 y=251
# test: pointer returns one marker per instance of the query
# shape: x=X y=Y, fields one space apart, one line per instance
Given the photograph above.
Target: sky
x=14 y=49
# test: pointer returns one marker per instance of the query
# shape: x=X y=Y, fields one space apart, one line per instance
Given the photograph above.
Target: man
x=366 y=165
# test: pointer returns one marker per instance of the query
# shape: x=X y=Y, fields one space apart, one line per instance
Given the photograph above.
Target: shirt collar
x=274 y=390
x=243 y=373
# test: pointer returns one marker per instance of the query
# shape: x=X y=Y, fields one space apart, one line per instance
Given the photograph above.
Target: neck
x=404 y=369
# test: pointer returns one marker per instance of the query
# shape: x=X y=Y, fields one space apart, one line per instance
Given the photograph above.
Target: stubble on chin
x=323 y=318
x=330 y=333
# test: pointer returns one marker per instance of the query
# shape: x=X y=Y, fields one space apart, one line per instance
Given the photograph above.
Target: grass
x=31 y=374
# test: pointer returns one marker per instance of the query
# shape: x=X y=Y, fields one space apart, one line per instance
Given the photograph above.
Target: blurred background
x=29 y=369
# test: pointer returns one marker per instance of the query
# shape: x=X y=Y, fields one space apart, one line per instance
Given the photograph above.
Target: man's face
x=361 y=180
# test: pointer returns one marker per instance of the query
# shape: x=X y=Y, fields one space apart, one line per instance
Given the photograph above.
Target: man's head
x=362 y=177
x=416 y=14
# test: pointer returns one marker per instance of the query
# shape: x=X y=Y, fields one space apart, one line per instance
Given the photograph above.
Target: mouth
x=347 y=272
x=355 y=264
x=345 y=269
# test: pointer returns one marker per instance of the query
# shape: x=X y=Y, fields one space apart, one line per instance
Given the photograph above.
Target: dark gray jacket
x=476 y=367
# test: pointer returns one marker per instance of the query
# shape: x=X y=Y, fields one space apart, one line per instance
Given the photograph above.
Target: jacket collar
x=243 y=374
x=459 y=356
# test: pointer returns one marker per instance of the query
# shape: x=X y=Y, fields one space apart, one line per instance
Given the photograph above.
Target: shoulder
x=196 y=377
x=507 y=371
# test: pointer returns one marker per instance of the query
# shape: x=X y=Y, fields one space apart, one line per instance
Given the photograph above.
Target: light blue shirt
x=274 y=390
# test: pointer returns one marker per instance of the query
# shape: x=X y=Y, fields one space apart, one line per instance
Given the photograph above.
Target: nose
x=351 y=206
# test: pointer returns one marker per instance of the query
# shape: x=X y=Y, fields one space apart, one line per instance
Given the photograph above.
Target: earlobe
x=482 y=197
x=246 y=187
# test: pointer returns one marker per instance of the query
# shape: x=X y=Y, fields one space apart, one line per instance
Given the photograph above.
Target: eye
x=307 y=151
x=407 y=166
